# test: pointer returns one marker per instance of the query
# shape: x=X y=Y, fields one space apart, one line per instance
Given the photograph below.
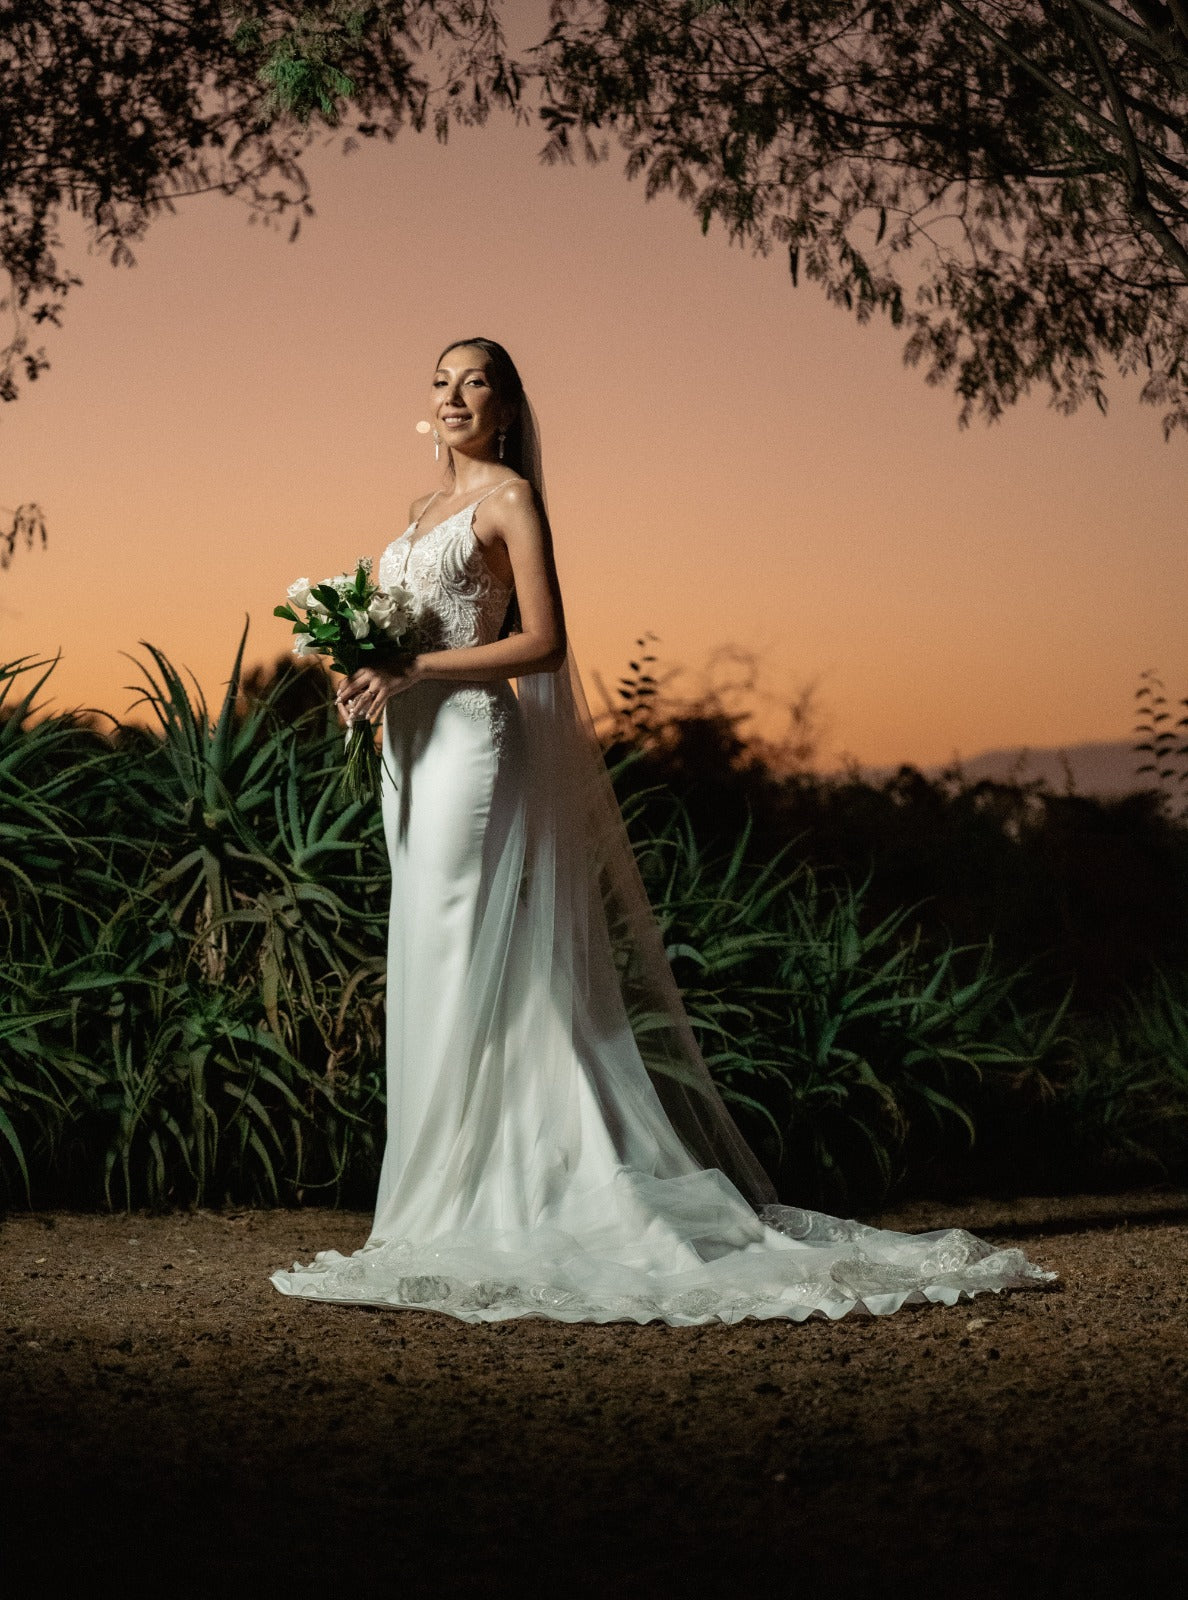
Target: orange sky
x=729 y=460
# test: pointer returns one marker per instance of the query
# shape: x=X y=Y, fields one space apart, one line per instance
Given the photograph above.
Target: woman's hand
x=363 y=696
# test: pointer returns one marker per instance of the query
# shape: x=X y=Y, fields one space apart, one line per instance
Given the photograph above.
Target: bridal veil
x=581 y=882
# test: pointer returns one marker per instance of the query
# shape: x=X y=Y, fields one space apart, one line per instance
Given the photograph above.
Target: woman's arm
x=519 y=524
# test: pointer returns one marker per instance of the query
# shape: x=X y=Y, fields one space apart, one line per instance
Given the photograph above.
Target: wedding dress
x=555 y=1145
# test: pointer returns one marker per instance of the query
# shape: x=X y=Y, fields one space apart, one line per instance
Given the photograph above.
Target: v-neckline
x=413 y=543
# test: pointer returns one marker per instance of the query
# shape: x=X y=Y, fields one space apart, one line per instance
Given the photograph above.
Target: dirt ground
x=166 y=1415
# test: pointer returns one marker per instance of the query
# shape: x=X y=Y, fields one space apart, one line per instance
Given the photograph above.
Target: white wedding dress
x=532 y=1165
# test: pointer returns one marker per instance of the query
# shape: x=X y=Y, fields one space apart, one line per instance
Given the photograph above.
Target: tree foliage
x=26 y=525
x=1006 y=180
x=117 y=109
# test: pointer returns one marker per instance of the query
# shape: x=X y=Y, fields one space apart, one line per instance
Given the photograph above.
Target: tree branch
x=1179 y=11
x=1145 y=40
x=1140 y=201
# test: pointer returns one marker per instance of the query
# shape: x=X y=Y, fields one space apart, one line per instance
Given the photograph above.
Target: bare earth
x=165 y=1414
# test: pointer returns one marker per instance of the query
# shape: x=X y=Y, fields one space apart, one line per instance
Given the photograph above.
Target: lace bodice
x=447 y=572
x=459 y=602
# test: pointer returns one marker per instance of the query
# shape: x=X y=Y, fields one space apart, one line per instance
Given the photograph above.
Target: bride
x=555 y=1144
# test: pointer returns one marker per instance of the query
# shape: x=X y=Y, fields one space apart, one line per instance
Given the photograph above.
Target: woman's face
x=467 y=411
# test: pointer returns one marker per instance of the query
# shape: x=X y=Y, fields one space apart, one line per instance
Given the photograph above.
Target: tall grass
x=193 y=942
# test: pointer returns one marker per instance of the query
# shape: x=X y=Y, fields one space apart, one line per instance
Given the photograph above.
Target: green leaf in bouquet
x=287 y=612
x=329 y=596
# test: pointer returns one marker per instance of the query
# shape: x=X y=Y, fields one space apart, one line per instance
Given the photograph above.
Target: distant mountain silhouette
x=1098 y=767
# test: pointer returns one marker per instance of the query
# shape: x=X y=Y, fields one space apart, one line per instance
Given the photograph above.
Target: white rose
x=304 y=644
x=401 y=609
x=299 y=593
x=388 y=614
x=360 y=623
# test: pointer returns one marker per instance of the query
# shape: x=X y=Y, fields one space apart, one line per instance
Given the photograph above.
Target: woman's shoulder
x=419 y=505
x=512 y=493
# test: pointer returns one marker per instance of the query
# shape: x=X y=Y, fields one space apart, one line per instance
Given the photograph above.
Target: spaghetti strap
x=425 y=508
x=413 y=532
x=475 y=504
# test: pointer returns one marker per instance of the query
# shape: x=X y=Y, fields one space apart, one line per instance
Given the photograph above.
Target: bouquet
x=356 y=623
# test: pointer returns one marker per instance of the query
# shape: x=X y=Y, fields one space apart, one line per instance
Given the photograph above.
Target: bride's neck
x=471 y=473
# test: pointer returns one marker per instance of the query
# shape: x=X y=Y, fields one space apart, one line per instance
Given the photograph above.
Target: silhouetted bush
x=1086 y=892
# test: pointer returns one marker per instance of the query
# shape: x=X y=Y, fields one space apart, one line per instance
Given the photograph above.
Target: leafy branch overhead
x=1006 y=180
x=120 y=108
x=26 y=525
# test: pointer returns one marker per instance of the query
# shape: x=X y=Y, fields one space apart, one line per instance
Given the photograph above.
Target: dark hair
x=510 y=387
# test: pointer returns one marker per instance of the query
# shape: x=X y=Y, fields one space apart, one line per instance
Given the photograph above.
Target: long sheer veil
x=582 y=882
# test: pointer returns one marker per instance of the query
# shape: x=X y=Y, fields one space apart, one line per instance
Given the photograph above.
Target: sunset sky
x=730 y=461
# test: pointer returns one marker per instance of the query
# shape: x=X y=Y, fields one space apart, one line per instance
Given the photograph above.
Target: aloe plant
x=193 y=939
x=1128 y=1093
x=194 y=945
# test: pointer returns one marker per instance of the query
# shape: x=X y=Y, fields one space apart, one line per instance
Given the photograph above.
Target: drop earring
x=502 y=437
x=436 y=445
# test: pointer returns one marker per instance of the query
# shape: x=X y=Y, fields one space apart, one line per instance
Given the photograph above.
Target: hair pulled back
x=510 y=387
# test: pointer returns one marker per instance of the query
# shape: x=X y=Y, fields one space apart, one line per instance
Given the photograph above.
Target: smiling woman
x=544 y=1156
x=465 y=396
x=476 y=397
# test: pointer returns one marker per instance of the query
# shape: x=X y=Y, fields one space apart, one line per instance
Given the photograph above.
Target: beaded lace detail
x=460 y=603
x=845 y=1266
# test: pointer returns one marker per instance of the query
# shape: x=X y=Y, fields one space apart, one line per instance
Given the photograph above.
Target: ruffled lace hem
x=807 y=1264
